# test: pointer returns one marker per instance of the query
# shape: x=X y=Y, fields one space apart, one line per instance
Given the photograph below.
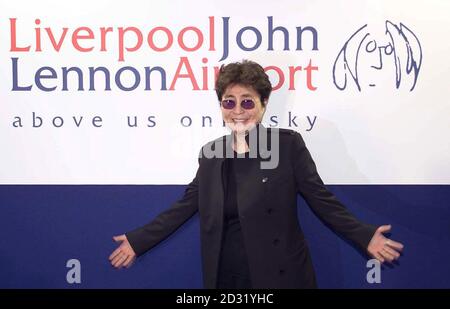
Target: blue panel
x=43 y=226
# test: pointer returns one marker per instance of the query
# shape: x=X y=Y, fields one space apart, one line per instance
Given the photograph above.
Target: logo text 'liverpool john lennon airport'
x=119 y=43
x=365 y=60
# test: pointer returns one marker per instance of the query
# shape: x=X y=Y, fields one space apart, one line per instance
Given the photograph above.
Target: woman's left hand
x=382 y=248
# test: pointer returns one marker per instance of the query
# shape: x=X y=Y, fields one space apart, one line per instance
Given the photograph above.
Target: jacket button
x=264 y=180
x=276 y=241
x=281 y=271
x=269 y=210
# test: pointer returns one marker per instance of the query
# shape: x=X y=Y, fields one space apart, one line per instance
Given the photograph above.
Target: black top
x=233 y=267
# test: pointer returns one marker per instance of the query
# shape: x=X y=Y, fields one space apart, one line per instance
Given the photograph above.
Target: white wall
x=380 y=134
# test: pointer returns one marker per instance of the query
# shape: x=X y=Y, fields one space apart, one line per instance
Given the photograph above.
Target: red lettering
x=152 y=44
x=76 y=37
x=14 y=48
x=280 y=76
x=138 y=44
x=199 y=38
x=190 y=74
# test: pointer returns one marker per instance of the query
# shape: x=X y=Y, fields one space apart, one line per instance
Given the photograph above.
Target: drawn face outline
x=407 y=60
x=377 y=57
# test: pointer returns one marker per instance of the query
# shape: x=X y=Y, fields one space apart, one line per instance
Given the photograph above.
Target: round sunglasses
x=245 y=104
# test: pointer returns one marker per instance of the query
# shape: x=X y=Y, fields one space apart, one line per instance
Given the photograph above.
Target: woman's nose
x=238 y=109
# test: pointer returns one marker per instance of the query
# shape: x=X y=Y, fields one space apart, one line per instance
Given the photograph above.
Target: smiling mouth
x=240 y=120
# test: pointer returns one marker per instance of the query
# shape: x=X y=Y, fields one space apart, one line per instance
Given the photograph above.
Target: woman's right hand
x=124 y=255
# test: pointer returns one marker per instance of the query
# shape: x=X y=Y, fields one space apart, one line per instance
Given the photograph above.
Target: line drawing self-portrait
x=397 y=54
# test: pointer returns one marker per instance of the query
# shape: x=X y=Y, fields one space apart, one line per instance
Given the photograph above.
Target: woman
x=250 y=234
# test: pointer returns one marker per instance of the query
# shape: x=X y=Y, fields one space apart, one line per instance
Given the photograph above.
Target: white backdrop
x=379 y=135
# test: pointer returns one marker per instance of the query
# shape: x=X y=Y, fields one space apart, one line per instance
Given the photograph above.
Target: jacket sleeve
x=146 y=237
x=322 y=202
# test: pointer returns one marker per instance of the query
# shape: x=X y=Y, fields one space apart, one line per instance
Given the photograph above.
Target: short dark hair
x=247 y=73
